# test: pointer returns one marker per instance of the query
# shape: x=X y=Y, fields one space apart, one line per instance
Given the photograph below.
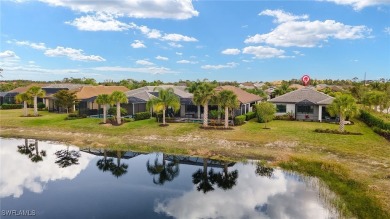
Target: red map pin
x=305 y=80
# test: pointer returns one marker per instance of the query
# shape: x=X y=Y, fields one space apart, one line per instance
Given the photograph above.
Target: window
x=281 y=108
x=305 y=109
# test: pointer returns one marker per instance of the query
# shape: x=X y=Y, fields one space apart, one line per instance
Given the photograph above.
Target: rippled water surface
x=53 y=180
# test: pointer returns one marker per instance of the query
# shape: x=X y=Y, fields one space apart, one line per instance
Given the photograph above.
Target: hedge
x=239 y=120
x=250 y=115
x=112 y=111
x=142 y=116
x=382 y=132
x=11 y=106
x=373 y=121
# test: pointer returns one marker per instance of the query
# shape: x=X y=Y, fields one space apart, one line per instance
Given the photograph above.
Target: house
x=9 y=96
x=139 y=97
x=51 y=89
x=304 y=104
x=247 y=100
x=86 y=96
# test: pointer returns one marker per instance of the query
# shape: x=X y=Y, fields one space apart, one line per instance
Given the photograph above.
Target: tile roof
x=145 y=93
x=304 y=94
x=24 y=89
x=242 y=96
x=65 y=86
x=86 y=92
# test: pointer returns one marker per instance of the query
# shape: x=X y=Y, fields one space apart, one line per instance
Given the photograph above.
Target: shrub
x=142 y=116
x=72 y=116
x=373 y=121
x=112 y=111
x=239 y=120
x=249 y=116
x=382 y=132
x=330 y=131
x=128 y=120
x=213 y=114
x=41 y=106
x=11 y=106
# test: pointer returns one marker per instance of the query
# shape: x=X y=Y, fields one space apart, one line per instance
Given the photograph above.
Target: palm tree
x=166 y=98
x=118 y=97
x=25 y=98
x=344 y=106
x=192 y=88
x=165 y=172
x=105 y=164
x=36 y=92
x=203 y=95
x=228 y=100
x=105 y=100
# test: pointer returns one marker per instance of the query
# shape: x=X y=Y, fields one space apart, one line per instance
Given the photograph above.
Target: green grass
x=357 y=166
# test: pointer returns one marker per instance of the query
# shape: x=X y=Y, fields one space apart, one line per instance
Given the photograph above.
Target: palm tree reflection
x=105 y=164
x=165 y=171
x=29 y=149
x=119 y=169
x=226 y=180
x=205 y=180
x=67 y=157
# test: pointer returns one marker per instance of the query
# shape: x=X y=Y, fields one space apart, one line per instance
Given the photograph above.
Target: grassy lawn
x=356 y=167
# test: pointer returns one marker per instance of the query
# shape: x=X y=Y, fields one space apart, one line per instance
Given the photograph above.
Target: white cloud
x=178 y=37
x=165 y=9
x=282 y=16
x=157 y=34
x=216 y=67
x=186 y=62
x=306 y=33
x=360 y=4
x=150 y=33
x=98 y=22
x=387 y=30
x=146 y=70
x=138 y=44
x=162 y=58
x=144 y=62
x=262 y=52
x=8 y=54
x=175 y=45
x=179 y=53
x=73 y=54
x=38 y=46
x=231 y=52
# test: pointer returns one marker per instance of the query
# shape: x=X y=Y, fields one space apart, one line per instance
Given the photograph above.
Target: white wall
x=289 y=108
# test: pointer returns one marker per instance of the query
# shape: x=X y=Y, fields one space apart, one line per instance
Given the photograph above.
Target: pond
x=54 y=180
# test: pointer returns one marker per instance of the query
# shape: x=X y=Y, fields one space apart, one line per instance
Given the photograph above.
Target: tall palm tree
x=105 y=100
x=165 y=171
x=192 y=88
x=36 y=92
x=228 y=100
x=166 y=98
x=203 y=95
x=344 y=106
x=25 y=98
x=118 y=97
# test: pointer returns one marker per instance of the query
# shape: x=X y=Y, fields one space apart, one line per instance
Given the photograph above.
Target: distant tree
x=65 y=99
x=192 y=87
x=203 y=95
x=282 y=89
x=118 y=97
x=25 y=98
x=36 y=92
x=344 y=106
x=166 y=98
x=265 y=112
x=105 y=100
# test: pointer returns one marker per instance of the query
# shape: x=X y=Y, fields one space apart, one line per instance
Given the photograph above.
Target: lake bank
x=339 y=160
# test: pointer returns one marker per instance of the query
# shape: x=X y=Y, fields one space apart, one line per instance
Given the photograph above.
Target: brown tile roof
x=24 y=89
x=304 y=94
x=242 y=96
x=91 y=91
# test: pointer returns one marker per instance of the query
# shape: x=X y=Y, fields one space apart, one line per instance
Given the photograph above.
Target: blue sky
x=170 y=40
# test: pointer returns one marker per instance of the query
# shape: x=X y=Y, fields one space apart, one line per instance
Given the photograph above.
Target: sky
x=173 y=40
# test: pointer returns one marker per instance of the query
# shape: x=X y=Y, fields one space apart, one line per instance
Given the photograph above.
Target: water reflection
x=152 y=185
x=29 y=149
x=164 y=171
